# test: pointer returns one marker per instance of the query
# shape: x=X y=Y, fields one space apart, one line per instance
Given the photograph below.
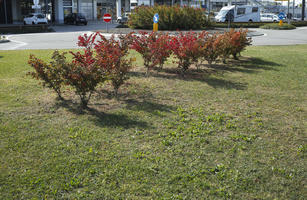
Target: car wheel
x=250 y=21
x=24 y=23
x=33 y=23
x=85 y=23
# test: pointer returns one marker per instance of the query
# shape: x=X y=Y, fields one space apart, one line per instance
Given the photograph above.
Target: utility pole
x=303 y=10
x=288 y=13
x=293 y=8
x=209 y=7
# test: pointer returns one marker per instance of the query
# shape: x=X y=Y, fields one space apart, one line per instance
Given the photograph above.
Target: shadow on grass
x=221 y=83
x=115 y=120
x=101 y=118
x=147 y=106
x=197 y=75
x=253 y=64
x=244 y=65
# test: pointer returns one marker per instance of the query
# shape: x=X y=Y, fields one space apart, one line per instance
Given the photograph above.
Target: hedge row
x=253 y=24
x=275 y=26
x=170 y=18
x=106 y=59
x=14 y=29
x=299 y=23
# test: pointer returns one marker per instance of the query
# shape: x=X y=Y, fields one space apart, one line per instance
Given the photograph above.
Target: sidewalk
x=91 y=26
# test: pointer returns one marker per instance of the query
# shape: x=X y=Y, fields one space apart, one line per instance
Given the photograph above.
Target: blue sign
x=156 y=18
x=281 y=16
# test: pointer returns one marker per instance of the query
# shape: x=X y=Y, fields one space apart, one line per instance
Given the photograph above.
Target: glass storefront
x=87 y=9
x=70 y=6
x=6 y=12
x=105 y=6
x=25 y=8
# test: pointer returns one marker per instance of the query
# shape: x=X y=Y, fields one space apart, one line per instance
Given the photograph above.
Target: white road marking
x=18 y=45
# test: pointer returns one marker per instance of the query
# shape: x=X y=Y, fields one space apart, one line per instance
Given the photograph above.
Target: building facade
x=13 y=11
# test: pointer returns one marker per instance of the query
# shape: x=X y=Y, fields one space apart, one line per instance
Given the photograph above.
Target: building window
x=75 y=6
x=67 y=6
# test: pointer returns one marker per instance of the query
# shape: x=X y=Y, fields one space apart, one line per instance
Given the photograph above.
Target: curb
x=254 y=34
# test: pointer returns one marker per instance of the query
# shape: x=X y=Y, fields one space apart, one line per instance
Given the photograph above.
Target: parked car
x=269 y=17
x=35 y=18
x=123 y=19
x=75 y=18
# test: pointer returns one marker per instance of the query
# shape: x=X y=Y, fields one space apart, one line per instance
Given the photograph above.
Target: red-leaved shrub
x=209 y=50
x=84 y=73
x=111 y=56
x=142 y=44
x=186 y=48
x=160 y=49
x=238 y=41
x=49 y=73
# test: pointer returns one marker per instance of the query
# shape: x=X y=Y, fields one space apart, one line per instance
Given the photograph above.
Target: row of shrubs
x=254 y=24
x=170 y=18
x=106 y=60
x=276 y=26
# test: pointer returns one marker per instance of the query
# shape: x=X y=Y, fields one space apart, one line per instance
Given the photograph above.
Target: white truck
x=244 y=13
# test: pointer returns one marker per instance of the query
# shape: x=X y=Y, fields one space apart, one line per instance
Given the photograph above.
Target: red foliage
x=187 y=48
x=154 y=48
x=111 y=57
x=160 y=49
x=50 y=74
x=210 y=48
x=239 y=41
x=142 y=43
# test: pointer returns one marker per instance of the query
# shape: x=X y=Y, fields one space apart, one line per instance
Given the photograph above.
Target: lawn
x=235 y=131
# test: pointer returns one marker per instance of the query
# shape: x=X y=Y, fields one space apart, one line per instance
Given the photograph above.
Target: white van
x=244 y=13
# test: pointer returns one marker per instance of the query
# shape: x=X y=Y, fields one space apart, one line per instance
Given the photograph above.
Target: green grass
x=237 y=131
x=276 y=26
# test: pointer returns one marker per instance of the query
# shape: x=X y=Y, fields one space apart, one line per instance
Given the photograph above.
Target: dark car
x=75 y=18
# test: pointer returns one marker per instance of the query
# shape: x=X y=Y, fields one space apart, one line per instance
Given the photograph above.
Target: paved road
x=66 y=37
x=281 y=37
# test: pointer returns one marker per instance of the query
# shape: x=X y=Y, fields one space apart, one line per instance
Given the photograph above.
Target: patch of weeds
x=243 y=137
x=302 y=149
x=195 y=123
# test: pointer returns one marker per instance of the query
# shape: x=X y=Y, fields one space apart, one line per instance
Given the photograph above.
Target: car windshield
x=40 y=16
x=80 y=15
x=222 y=13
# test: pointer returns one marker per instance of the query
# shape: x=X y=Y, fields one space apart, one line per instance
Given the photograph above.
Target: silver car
x=268 y=17
x=35 y=18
